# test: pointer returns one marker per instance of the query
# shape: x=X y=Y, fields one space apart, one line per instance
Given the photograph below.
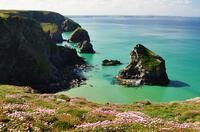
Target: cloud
x=107 y=7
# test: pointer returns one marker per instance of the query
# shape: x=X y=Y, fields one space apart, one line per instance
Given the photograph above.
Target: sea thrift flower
x=13 y=96
x=16 y=106
x=109 y=112
x=61 y=100
x=47 y=111
x=131 y=118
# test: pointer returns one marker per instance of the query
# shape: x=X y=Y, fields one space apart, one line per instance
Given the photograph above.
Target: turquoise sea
x=176 y=39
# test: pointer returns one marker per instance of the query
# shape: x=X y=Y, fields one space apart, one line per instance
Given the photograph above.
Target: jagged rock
x=69 y=25
x=79 y=35
x=145 y=68
x=111 y=62
x=78 y=45
x=29 y=57
x=86 y=47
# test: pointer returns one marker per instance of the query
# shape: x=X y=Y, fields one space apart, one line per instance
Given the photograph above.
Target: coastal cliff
x=30 y=57
x=145 y=68
x=81 y=36
x=69 y=25
x=51 y=22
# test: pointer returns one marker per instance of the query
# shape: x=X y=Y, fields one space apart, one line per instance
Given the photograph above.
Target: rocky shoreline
x=30 y=56
x=37 y=61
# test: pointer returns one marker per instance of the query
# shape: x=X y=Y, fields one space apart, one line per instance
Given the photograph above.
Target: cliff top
x=21 y=106
x=148 y=58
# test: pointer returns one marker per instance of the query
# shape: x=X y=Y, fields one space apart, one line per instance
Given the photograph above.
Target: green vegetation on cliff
x=21 y=110
x=53 y=28
x=50 y=21
x=79 y=29
x=148 y=58
x=79 y=35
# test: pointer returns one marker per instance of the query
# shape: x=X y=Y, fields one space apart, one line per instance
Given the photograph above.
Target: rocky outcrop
x=86 y=47
x=78 y=45
x=69 y=25
x=43 y=17
x=110 y=62
x=29 y=57
x=145 y=68
x=79 y=35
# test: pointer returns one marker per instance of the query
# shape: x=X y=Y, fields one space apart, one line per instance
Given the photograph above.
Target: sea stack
x=79 y=35
x=69 y=25
x=145 y=68
x=86 y=47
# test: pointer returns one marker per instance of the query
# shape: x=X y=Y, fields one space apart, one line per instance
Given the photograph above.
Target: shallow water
x=176 y=39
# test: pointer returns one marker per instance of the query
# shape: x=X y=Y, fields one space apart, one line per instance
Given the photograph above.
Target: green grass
x=5 y=16
x=148 y=59
x=79 y=29
x=53 y=28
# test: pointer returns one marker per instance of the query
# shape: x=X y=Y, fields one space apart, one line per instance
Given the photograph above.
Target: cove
x=176 y=39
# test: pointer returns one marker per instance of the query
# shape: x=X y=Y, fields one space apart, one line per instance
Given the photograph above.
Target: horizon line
x=131 y=16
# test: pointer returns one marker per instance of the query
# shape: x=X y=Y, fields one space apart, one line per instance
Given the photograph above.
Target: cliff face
x=44 y=17
x=30 y=57
x=69 y=25
x=79 y=35
x=145 y=68
x=53 y=23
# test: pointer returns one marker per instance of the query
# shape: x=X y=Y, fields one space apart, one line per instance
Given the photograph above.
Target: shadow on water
x=177 y=84
x=173 y=83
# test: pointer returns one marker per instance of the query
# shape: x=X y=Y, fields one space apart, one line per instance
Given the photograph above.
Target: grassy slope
x=21 y=109
x=148 y=59
x=79 y=29
x=53 y=28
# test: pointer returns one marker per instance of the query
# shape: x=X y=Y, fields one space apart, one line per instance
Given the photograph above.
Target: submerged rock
x=86 y=47
x=30 y=57
x=145 y=68
x=111 y=62
x=69 y=25
x=79 y=35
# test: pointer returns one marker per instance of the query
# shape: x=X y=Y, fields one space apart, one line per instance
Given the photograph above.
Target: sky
x=109 y=7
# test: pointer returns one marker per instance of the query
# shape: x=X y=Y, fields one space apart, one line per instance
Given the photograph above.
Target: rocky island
x=81 y=36
x=145 y=68
x=29 y=54
x=110 y=62
x=69 y=25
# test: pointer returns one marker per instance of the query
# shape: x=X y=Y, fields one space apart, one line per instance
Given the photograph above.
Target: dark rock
x=87 y=47
x=145 y=68
x=69 y=55
x=111 y=62
x=79 y=35
x=30 y=58
x=69 y=25
x=56 y=37
x=79 y=45
x=45 y=17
